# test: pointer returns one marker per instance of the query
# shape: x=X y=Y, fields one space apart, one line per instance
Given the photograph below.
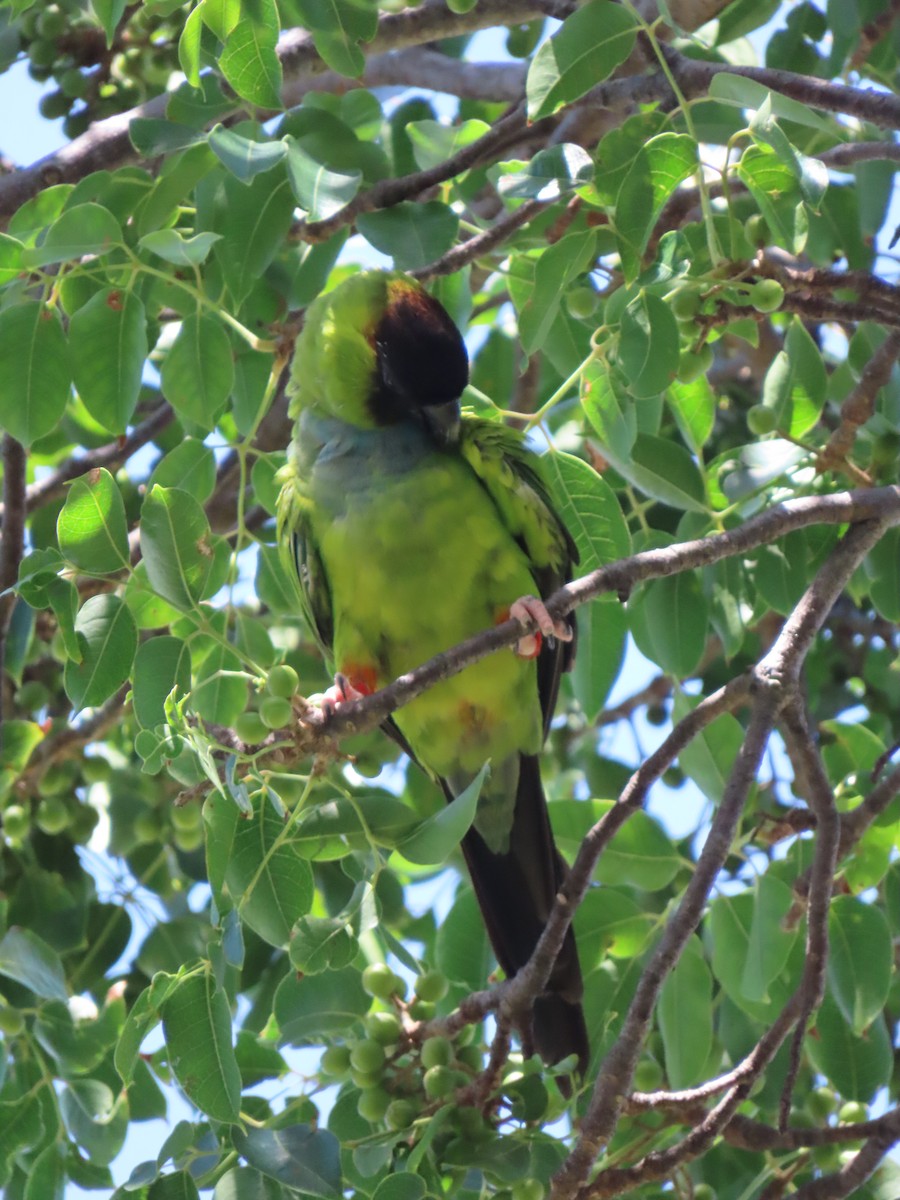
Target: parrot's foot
x=530 y=608
x=340 y=692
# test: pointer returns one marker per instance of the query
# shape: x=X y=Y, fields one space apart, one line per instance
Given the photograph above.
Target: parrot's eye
x=421 y=356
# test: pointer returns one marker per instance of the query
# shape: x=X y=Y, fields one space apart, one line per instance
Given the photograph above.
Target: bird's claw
x=341 y=692
x=530 y=608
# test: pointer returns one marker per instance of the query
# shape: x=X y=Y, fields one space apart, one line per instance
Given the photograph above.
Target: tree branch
x=12 y=544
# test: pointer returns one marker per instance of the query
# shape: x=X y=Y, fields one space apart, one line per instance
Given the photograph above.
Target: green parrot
x=411 y=528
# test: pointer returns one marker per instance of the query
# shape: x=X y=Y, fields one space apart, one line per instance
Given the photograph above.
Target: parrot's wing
x=301 y=558
x=511 y=474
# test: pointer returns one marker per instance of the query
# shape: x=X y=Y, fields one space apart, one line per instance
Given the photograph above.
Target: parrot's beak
x=443 y=421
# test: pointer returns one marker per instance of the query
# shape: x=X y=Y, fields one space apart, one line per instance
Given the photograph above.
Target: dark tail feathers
x=516 y=891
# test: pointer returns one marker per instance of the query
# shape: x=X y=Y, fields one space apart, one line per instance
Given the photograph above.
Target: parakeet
x=412 y=528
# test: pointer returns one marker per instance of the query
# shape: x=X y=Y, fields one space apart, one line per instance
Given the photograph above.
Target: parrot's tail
x=516 y=891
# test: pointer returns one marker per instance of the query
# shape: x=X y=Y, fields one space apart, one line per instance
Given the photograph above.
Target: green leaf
x=709 y=757
x=28 y=960
x=84 y=229
x=640 y=855
x=747 y=93
x=685 y=1018
x=172 y=246
x=338 y=26
x=177 y=1186
x=781 y=572
x=432 y=841
x=92 y=529
x=609 y=922
x=12 y=261
x=35 y=375
x=297 y=1156
x=694 y=408
x=728 y=932
x=197 y=1028
x=548 y=176
x=857 y=1066
x=610 y=410
x=20 y=738
x=554 y=270
x=669 y=621
x=271 y=884
x=109 y=347
x=774 y=188
x=253 y=225
x=433 y=143
x=244 y=158
x=414 y=235
x=796 y=382
x=152 y=137
x=663 y=470
x=189 y=45
x=326 y=1005
x=175 y=541
x=249 y=61
x=656 y=171
x=860 y=960
x=108 y=638
x=648 y=345
x=246 y=1183
x=95 y=1118
x=321 y=944
x=320 y=192
x=585 y=50
x=770 y=942
x=591 y=512
x=811 y=174
x=221 y=16
x=160 y=665
x=198 y=371
x=190 y=466
x=109 y=13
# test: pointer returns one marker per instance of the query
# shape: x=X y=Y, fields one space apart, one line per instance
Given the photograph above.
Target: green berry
x=379 y=980
x=431 y=985
x=692 y=364
x=852 y=1113
x=439 y=1082
x=188 y=840
x=761 y=419
x=52 y=815
x=251 y=728
x=16 y=822
x=84 y=822
x=52 y=22
x=275 y=712
x=582 y=302
x=282 y=681
x=186 y=816
x=436 y=1052
x=757 y=230
x=373 y=1104
x=95 y=769
x=148 y=826
x=766 y=295
x=384 y=1028
x=471 y=1057
x=421 y=1010
x=31 y=696
x=400 y=1114
x=703 y=1191
x=648 y=1075
x=885 y=451
x=368 y=1056
x=460 y=6
x=54 y=105
x=685 y=303
x=821 y=1103
x=365 y=1080
x=42 y=53
x=528 y=1189
x=335 y=1062
x=74 y=84
x=11 y=1021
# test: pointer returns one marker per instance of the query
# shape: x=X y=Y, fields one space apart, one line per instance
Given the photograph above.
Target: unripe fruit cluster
x=398 y=1079
x=64 y=42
